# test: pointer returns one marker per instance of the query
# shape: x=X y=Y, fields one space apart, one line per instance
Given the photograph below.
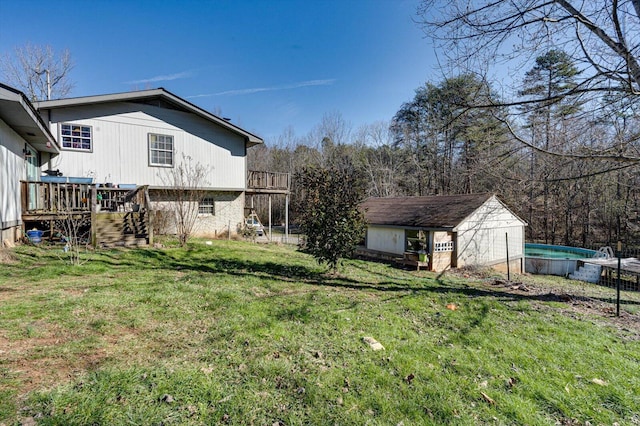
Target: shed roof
x=158 y=97
x=439 y=211
x=19 y=114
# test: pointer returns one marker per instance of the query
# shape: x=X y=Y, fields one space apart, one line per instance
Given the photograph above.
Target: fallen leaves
x=452 y=306
x=488 y=399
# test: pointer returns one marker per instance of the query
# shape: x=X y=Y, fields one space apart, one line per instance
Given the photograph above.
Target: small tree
x=328 y=211
x=184 y=192
x=75 y=232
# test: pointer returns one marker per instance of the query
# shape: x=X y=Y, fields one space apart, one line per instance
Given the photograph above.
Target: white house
x=140 y=137
x=451 y=230
x=23 y=138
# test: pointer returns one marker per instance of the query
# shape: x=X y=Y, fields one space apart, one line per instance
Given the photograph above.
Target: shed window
x=206 y=206
x=75 y=136
x=160 y=150
x=416 y=240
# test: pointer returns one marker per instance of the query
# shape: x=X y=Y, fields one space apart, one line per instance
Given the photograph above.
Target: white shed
x=452 y=230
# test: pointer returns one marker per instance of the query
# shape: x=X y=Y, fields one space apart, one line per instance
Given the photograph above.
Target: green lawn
x=240 y=333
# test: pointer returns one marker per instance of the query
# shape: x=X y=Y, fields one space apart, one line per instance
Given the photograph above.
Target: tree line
x=565 y=164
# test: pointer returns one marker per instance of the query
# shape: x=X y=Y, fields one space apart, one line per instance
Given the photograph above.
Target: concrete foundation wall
x=228 y=215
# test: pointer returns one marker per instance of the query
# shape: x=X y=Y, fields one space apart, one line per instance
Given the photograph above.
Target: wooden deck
x=268 y=182
x=109 y=216
x=113 y=213
x=49 y=198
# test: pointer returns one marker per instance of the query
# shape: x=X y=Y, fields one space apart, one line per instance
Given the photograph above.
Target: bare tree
x=380 y=160
x=38 y=71
x=184 y=191
x=602 y=37
x=75 y=232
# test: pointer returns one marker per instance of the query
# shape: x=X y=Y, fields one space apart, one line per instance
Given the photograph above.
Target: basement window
x=76 y=137
x=160 y=150
x=207 y=206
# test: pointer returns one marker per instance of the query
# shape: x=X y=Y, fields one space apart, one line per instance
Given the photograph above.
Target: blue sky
x=265 y=64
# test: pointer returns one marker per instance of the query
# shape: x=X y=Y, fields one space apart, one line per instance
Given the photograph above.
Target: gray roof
x=434 y=212
x=19 y=114
x=152 y=97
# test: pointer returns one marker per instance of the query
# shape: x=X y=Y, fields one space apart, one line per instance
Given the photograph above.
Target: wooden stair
x=121 y=229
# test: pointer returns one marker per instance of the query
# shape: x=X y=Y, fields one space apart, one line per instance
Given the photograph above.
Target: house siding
x=120 y=145
x=12 y=169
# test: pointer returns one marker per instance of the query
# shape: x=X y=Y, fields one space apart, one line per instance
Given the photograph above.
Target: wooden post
x=94 y=216
x=269 y=217
x=143 y=195
x=286 y=218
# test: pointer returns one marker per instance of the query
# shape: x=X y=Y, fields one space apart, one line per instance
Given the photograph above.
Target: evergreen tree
x=328 y=211
x=548 y=85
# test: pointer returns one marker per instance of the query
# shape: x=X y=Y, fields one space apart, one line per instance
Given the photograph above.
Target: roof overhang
x=20 y=115
x=148 y=96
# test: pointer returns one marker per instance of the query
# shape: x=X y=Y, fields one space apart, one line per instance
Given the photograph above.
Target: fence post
x=506 y=237
x=619 y=254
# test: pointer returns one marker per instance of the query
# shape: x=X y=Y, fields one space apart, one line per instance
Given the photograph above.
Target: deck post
x=94 y=216
x=269 y=217
x=286 y=218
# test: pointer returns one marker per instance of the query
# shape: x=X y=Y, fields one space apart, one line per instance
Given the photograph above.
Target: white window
x=160 y=150
x=206 y=206
x=76 y=136
x=444 y=246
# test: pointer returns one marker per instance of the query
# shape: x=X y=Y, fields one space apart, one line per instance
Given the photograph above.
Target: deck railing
x=61 y=197
x=53 y=197
x=268 y=180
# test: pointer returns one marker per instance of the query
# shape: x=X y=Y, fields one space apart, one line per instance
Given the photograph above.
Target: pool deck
x=630 y=264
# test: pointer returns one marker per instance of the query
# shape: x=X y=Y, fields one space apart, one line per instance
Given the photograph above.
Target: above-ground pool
x=555 y=260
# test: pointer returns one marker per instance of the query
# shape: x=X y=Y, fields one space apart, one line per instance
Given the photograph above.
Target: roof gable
x=157 y=97
x=440 y=211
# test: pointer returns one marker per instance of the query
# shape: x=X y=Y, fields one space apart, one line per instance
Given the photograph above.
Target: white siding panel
x=12 y=170
x=488 y=245
x=387 y=240
x=491 y=214
x=482 y=237
x=120 y=145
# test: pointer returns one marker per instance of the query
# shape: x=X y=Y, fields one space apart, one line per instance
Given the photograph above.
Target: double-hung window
x=160 y=150
x=76 y=137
